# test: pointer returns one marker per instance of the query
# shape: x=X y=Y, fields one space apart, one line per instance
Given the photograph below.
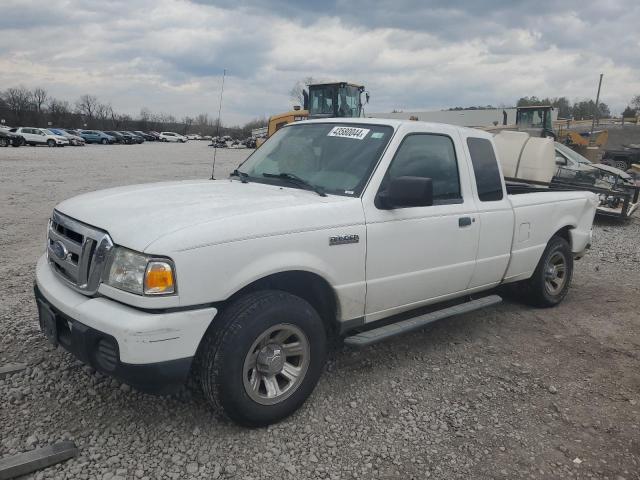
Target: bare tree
x=86 y=105
x=18 y=100
x=59 y=112
x=103 y=113
x=300 y=86
x=39 y=97
x=635 y=103
x=187 y=121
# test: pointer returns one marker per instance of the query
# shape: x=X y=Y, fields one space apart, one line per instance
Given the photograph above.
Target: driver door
x=421 y=255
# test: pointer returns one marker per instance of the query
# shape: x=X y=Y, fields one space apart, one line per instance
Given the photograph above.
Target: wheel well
x=309 y=286
x=564 y=233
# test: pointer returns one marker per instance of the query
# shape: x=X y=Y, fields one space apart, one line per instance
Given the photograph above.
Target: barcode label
x=348 y=132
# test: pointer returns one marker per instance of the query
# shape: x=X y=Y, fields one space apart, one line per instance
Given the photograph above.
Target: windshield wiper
x=293 y=178
x=244 y=177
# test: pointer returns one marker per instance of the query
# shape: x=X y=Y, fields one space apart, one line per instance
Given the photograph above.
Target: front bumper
x=150 y=351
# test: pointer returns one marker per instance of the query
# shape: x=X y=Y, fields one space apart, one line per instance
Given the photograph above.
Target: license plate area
x=48 y=323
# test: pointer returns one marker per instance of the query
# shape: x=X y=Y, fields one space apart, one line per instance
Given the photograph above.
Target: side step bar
x=378 y=334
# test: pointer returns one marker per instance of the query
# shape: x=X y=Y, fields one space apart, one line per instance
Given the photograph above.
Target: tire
x=546 y=288
x=621 y=164
x=252 y=385
x=19 y=142
x=51 y=143
x=4 y=142
x=104 y=141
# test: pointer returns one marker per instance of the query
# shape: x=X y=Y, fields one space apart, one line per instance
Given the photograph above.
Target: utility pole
x=595 y=113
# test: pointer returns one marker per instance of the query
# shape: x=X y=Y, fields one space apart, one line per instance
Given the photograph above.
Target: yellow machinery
x=323 y=100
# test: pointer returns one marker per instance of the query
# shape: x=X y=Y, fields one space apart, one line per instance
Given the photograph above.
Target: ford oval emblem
x=59 y=250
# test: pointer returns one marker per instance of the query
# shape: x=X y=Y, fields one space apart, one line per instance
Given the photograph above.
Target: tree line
x=20 y=106
x=580 y=110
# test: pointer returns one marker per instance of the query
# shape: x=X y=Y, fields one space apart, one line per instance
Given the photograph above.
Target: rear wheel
x=51 y=143
x=620 y=164
x=262 y=357
x=551 y=280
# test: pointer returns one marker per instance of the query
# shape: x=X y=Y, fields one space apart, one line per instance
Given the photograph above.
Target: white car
x=40 y=136
x=194 y=137
x=172 y=137
x=332 y=227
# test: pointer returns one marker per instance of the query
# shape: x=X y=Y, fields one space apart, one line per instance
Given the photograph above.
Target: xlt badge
x=343 y=239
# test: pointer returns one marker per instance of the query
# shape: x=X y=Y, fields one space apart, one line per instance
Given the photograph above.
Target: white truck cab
x=328 y=228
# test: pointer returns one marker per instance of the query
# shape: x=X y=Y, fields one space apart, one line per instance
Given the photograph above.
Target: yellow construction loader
x=322 y=100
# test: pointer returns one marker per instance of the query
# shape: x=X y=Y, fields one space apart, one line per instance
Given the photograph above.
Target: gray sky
x=168 y=55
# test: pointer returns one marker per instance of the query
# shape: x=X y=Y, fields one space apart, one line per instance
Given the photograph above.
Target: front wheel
x=4 y=142
x=551 y=280
x=104 y=141
x=262 y=357
x=51 y=143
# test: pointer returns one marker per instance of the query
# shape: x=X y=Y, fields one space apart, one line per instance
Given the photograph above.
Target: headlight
x=140 y=274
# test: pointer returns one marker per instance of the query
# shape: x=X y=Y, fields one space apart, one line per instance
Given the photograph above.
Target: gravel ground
x=508 y=392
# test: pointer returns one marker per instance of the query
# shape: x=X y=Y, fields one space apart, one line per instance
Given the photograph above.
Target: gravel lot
x=508 y=392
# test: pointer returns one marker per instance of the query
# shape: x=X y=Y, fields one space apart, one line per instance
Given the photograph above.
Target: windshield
x=348 y=102
x=338 y=158
x=572 y=154
x=321 y=100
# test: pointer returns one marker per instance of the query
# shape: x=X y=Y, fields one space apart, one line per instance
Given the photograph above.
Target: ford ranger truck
x=363 y=228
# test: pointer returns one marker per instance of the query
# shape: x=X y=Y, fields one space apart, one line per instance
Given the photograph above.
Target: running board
x=378 y=334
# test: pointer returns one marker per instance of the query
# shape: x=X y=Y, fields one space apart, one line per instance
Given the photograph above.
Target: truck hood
x=163 y=217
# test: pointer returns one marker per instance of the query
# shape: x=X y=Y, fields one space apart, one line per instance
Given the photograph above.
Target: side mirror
x=561 y=160
x=406 y=192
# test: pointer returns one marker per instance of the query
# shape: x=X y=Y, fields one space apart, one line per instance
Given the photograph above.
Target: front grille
x=77 y=252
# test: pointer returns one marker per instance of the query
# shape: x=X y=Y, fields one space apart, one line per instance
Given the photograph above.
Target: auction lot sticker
x=348 y=132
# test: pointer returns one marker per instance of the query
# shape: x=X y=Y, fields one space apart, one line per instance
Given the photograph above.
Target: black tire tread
x=533 y=289
x=222 y=332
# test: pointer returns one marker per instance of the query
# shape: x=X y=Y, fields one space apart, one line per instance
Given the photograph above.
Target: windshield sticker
x=377 y=135
x=348 y=132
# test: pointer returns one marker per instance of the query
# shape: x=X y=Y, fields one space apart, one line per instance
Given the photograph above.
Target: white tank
x=524 y=157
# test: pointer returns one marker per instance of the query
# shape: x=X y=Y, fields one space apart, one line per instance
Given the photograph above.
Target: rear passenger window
x=485 y=167
x=430 y=156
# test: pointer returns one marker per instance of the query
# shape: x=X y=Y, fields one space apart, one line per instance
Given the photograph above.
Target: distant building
x=463 y=118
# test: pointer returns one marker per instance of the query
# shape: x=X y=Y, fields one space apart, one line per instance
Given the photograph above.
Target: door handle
x=464 y=221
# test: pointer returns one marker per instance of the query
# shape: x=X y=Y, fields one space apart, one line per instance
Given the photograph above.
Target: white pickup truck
x=355 y=227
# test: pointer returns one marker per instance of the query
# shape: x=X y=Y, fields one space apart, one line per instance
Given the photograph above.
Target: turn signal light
x=158 y=279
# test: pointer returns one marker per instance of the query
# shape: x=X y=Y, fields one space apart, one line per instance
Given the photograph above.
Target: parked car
x=75 y=140
x=130 y=139
x=119 y=137
x=350 y=226
x=572 y=165
x=194 y=136
x=622 y=158
x=137 y=137
x=154 y=134
x=40 y=136
x=172 y=137
x=618 y=192
x=8 y=138
x=96 y=136
x=146 y=136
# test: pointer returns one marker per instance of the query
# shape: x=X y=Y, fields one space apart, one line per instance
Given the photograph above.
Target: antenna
x=215 y=145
